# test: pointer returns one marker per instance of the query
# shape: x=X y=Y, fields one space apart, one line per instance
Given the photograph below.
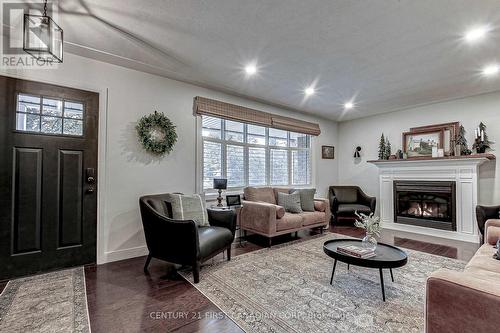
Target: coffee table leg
x=382 y=283
x=392 y=276
x=348 y=266
x=333 y=271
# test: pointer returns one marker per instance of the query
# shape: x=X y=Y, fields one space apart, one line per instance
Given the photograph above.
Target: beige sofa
x=261 y=215
x=467 y=301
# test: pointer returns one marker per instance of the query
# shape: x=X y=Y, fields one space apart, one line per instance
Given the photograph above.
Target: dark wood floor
x=122 y=298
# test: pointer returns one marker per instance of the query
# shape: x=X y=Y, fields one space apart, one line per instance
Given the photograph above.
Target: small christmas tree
x=482 y=142
x=462 y=142
x=381 y=148
x=388 y=149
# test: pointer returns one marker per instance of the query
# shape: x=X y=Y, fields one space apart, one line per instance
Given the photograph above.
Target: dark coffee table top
x=387 y=256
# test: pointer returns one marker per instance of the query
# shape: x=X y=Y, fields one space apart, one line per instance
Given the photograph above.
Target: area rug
x=287 y=289
x=52 y=302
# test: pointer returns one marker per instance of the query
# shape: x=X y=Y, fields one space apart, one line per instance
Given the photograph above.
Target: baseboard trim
x=453 y=235
x=117 y=255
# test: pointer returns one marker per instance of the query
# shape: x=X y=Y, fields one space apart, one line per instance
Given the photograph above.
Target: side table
x=236 y=210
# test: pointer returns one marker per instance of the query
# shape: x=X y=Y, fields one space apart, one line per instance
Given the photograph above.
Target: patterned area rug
x=286 y=289
x=53 y=302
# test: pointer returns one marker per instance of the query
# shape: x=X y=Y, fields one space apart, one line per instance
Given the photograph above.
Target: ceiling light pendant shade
x=43 y=38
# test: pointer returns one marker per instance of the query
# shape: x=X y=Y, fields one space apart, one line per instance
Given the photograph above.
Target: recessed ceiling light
x=491 y=70
x=476 y=34
x=348 y=105
x=309 y=91
x=250 y=69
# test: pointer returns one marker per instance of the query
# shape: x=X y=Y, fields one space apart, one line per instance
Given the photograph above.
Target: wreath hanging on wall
x=156 y=133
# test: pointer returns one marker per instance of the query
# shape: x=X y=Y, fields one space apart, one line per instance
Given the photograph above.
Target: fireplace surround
x=463 y=171
x=430 y=204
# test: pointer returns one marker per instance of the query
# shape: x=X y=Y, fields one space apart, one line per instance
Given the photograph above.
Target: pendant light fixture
x=43 y=38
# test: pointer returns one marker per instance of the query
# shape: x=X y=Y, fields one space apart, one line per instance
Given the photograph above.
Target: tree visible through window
x=251 y=155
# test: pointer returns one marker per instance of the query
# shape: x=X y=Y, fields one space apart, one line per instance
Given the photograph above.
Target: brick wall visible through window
x=250 y=155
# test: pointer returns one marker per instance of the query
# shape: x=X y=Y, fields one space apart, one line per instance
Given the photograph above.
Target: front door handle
x=90 y=174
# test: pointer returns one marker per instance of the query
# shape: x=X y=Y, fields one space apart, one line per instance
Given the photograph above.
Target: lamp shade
x=220 y=183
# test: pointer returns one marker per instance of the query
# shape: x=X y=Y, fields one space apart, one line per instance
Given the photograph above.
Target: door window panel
x=46 y=115
x=51 y=125
x=52 y=107
x=73 y=110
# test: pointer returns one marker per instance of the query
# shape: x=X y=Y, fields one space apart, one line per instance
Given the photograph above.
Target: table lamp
x=220 y=184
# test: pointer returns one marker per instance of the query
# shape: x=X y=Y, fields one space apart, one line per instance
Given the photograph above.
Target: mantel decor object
x=42 y=37
x=481 y=141
x=156 y=133
x=421 y=143
x=219 y=185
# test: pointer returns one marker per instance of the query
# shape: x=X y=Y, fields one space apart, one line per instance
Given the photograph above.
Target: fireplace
x=425 y=203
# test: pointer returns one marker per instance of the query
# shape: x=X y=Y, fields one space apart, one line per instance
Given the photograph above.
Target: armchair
x=485 y=213
x=346 y=200
x=182 y=241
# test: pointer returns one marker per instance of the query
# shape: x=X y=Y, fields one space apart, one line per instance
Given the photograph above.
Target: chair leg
x=229 y=253
x=196 y=272
x=270 y=242
x=148 y=260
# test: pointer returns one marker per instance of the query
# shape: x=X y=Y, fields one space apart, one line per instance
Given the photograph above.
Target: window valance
x=214 y=108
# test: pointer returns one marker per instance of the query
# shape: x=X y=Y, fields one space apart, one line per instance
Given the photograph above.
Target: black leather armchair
x=182 y=241
x=483 y=214
x=346 y=200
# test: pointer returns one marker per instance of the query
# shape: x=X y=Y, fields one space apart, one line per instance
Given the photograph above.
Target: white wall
x=126 y=171
x=366 y=133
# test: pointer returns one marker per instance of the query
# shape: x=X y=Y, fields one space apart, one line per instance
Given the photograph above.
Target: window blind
x=213 y=108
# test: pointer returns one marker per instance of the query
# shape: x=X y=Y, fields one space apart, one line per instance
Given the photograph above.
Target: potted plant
x=372 y=226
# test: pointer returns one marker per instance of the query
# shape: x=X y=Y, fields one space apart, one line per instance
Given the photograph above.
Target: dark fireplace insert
x=425 y=203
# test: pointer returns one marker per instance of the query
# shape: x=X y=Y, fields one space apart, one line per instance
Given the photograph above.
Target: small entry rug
x=52 y=302
x=287 y=289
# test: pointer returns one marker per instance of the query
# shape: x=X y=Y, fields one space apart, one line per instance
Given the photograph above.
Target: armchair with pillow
x=346 y=200
x=270 y=212
x=179 y=230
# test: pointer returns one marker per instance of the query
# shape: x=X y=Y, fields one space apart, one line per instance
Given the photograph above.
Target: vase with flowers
x=372 y=227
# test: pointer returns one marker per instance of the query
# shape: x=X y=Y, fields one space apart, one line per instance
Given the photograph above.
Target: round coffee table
x=387 y=257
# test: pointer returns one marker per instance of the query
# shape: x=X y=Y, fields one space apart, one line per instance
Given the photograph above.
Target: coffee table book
x=356 y=251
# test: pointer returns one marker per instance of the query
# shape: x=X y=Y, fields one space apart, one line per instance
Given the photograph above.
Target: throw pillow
x=188 y=207
x=306 y=198
x=291 y=202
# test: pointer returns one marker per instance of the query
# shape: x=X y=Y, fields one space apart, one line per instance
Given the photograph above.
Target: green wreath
x=156 y=133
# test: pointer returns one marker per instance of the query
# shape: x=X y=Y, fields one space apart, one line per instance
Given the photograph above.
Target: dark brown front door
x=48 y=175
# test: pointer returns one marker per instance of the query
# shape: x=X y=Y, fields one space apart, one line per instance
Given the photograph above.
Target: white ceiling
x=388 y=54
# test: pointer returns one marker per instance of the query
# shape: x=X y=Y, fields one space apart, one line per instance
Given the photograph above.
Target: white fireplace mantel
x=463 y=171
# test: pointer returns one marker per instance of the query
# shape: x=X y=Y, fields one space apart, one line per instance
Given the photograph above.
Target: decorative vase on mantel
x=372 y=226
